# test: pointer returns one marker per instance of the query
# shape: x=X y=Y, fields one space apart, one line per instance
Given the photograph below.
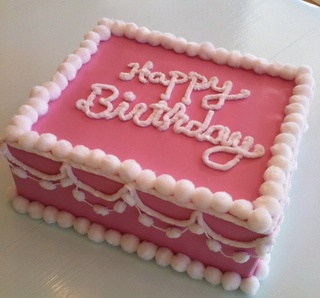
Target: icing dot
x=119 y=206
x=146 y=220
x=163 y=256
x=247 y=61
x=40 y=92
x=110 y=164
x=49 y=214
x=183 y=191
x=262 y=270
x=130 y=30
x=201 y=197
x=129 y=243
x=84 y=54
x=260 y=66
x=74 y=60
x=146 y=180
x=213 y=275
x=286 y=138
x=221 y=202
x=142 y=34
x=206 y=51
x=28 y=140
x=214 y=245
x=274 y=69
x=35 y=210
x=90 y=45
x=22 y=122
x=282 y=149
x=192 y=49
x=303 y=90
x=179 y=45
x=155 y=38
x=68 y=70
x=129 y=170
x=270 y=203
x=54 y=89
x=12 y=133
x=47 y=185
x=103 y=31
x=241 y=209
x=113 y=237
x=275 y=174
x=220 y=56
x=96 y=233
x=240 y=257
x=196 y=229
x=230 y=281
x=167 y=40
x=81 y=225
x=21 y=173
x=61 y=148
x=129 y=96
x=65 y=219
x=146 y=250
x=29 y=112
x=274 y=189
x=79 y=195
x=46 y=142
x=291 y=128
x=60 y=80
x=250 y=285
x=295 y=107
x=234 y=59
x=40 y=105
x=101 y=210
x=93 y=36
x=165 y=184
x=260 y=220
x=296 y=118
x=93 y=160
x=195 y=270
x=105 y=22
x=20 y=204
x=118 y=28
x=173 y=232
x=79 y=154
x=180 y=262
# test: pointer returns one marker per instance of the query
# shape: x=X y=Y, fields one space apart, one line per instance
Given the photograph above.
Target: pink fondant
x=166 y=152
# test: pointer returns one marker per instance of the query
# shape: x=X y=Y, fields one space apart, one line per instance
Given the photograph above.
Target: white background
x=39 y=260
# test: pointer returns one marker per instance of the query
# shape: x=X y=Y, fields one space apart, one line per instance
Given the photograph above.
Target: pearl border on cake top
x=262 y=215
x=145 y=250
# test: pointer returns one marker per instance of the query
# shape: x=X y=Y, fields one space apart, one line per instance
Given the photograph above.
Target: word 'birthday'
x=162 y=116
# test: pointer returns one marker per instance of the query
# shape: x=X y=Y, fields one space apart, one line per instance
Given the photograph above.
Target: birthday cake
x=174 y=150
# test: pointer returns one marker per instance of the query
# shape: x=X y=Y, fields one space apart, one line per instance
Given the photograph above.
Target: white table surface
x=40 y=260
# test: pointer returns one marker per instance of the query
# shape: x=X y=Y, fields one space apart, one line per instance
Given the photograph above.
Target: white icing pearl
x=68 y=70
x=129 y=243
x=173 y=232
x=180 y=262
x=49 y=214
x=93 y=36
x=275 y=174
x=155 y=38
x=282 y=149
x=201 y=197
x=164 y=256
x=221 y=202
x=247 y=61
x=146 y=250
x=93 y=160
x=192 y=49
x=260 y=220
x=183 y=191
x=273 y=189
x=304 y=79
x=60 y=80
x=142 y=34
x=105 y=22
x=180 y=45
x=39 y=104
x=12 y=133
x=196 y=229
x=79 y=154
x=90 y=45
x=241 y=209
x=22 y=121
x=29 y=112
x=213 y=245
x=100 y=210
x=274 y=69
x=301 y=99
x=206 y=51
x=110 y=164
x=47 y=185
x=286 y=138
x=167 y=40
x=260 y=66
x=234 y=59
x=130 y=30
x=74 y=60
x=295 y=108
x=291 y=128
x=145 y=220
x=145 y=181
x=240 y=257
x=54 y=90
x=118 y=28
x=165 y=184
x=129 y=170
x=250 y=285
x=303 y=90
x=21 y=173
x=81 y=225
x=20 y=204
x=28 y=140
x=40 y=92
x=230 y=281
x=262 y=270
x=113 y=237
x=296 y=118
x=35 y=210
x=269 y=203
x=119 y=206
x=195 y=270
x=213 y=275
x=79 y=195
x=65 y=219
x=96 y=233
x=61 y=148
x=103 y=31
x=281 y=162
x=288 y=72
x=45 y=142
x=84 y=54
x=220 y=56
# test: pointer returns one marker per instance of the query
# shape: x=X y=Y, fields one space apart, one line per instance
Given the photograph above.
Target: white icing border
x=145 y=250
x=262 y=215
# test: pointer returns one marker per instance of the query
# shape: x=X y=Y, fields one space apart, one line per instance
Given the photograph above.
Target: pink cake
x=177 y=151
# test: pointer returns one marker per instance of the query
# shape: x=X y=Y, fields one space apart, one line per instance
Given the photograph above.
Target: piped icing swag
x=163 y=116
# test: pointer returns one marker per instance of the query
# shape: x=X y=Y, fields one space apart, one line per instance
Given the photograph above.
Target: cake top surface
x=211 y=121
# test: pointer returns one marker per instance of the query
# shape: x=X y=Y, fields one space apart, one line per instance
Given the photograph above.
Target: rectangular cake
x=177 y=151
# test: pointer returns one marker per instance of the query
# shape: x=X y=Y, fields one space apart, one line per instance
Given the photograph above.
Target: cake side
x=260 y=217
